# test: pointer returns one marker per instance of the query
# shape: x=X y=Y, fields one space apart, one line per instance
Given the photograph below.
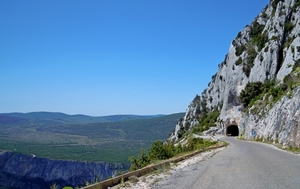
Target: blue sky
x=105 y=57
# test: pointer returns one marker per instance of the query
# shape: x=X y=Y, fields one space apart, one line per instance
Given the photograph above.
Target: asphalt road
x=241 y=165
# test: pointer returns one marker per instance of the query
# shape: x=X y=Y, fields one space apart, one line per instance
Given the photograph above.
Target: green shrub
x=238 y=61
x=288 y=26
x=279 y=91
x=275 y=2
x=261 y=40
x=207 y=120
x=297 y=4
x=193 y=142
x=160 y=151
x=239 y=50
x=256 y=29
x=296 y=65
x=137 y=163
x=251 y=55
x=288 y=41
x=252 y=90
x=247 y=66
x=257 y=37
x=256 y=90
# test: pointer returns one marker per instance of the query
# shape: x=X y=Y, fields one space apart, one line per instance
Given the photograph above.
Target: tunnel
x=232 y=130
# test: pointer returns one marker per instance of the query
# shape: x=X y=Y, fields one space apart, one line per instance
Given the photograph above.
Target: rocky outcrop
x=30 y=172
x=268 y=49
x=280 y=123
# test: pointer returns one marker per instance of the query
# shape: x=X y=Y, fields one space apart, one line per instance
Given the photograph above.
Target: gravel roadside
x=150 y=181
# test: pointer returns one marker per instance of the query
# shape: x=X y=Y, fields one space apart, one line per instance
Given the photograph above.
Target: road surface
x=241 y=165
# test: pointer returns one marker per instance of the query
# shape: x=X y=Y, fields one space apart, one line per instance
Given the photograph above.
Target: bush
x=268 y=85
x=207 y=120
x=278 y=91
x=261 y=40
x=296 y=5
x=238 y=61
x=274 y=3
x=296 y=65
x=288 y=26
x=251 y=55
x=160 y=151
x=256 y=90
x=247 y=66
x=289 y=41
x=257 y=37
x=193 y=142
x=137 y=163
x=239 y=50
x=256 y=29
x=251 y=90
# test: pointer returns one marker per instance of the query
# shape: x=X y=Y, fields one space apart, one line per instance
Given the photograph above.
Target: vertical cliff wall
x=29 y=172
x=267 y=49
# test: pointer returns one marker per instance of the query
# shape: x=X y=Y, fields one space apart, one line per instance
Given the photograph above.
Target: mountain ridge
x=76 y=118
x=267 y=50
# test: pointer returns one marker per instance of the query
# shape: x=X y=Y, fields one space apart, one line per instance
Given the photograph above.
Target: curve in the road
x=242 y=165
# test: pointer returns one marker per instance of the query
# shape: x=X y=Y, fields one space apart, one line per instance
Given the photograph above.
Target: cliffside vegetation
x=262 y=94
x=207 y=120
x=251 y=48
x=162 y=151
x=255 y=91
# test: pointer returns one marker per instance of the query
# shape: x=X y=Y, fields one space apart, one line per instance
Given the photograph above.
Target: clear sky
x=106 y=57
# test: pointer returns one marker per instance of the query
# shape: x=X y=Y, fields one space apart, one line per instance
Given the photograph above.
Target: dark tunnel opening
x=232 y=130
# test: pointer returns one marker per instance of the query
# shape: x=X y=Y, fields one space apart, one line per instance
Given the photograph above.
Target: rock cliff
x=266 y=50
x=29 y=172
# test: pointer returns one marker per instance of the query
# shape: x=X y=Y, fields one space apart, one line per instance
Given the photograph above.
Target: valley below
x=38 y=150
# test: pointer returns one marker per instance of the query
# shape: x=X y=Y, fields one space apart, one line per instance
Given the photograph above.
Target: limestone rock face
x=280 y=123
x=24 y=171
x=267 y=49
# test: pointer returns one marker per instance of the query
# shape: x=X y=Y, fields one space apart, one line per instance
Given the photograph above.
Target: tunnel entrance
x=232 y=130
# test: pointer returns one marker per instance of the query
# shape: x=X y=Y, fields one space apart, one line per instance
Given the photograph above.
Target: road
x=241 y=165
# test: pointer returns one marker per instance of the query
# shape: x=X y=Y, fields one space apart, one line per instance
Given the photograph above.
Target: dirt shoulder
x=150 y=180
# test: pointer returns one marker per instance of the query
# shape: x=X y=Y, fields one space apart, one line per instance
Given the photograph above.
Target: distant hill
x=80 y=137
x=5 y=119
x=73 y=119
